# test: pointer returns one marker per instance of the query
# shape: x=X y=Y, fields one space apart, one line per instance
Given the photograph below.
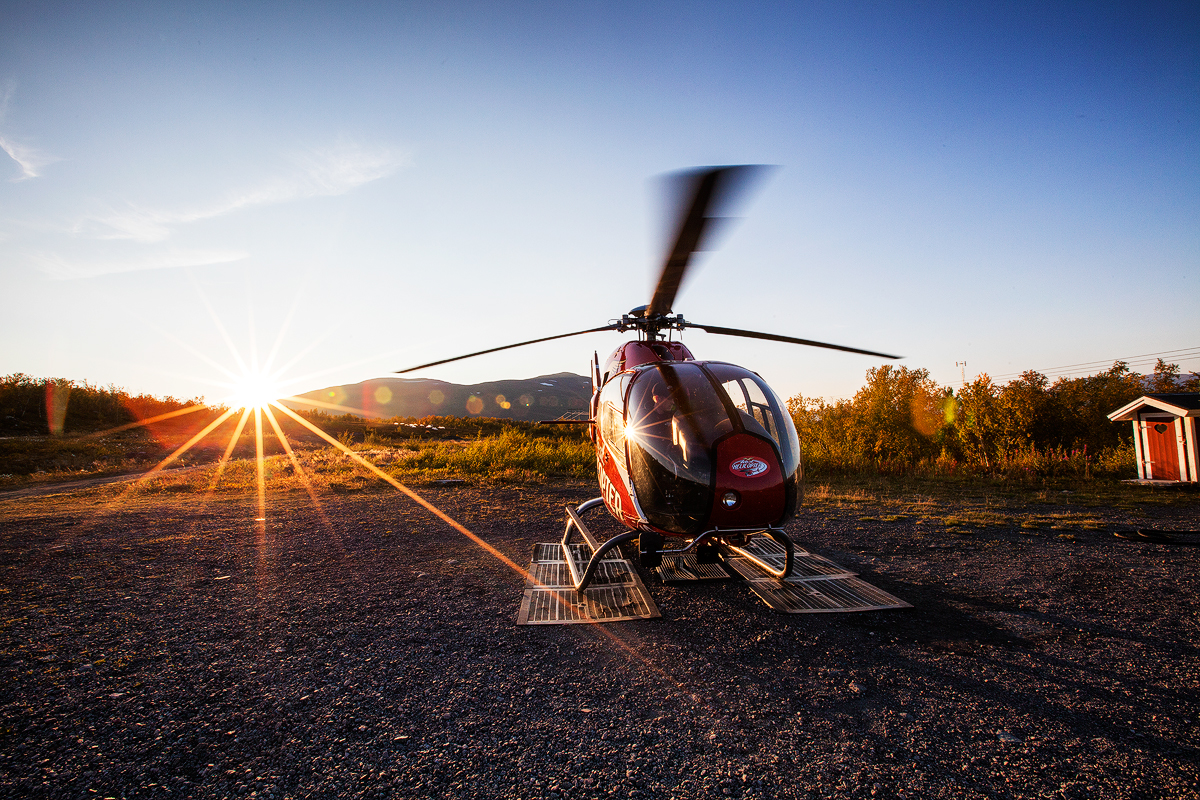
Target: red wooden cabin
x=1164 y=435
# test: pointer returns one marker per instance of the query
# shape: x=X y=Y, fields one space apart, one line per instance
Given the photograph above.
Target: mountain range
x=542 y=398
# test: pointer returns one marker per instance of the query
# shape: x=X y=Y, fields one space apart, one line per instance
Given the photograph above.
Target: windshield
x=760 y=411
x=673 y=416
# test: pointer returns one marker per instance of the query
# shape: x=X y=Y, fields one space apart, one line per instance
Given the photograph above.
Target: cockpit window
x=672 y=418
x=760 y=410
x=612 y=425
x=748 y=398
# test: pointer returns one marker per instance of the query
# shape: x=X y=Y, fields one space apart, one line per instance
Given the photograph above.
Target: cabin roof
x=1181 y=404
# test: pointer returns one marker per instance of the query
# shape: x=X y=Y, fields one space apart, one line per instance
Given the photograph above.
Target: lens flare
x=254 y=391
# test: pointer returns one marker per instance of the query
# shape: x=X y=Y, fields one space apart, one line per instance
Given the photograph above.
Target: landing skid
x=582 y=576
x=589 y=581
x=707 y=550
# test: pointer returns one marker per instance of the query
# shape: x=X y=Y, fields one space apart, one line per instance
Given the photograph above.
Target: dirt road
x=72 y=487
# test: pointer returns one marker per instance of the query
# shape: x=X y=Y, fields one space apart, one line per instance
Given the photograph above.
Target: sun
x=254 y=391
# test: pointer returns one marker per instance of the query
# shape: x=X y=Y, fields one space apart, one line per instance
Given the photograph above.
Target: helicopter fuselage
x=687 y=447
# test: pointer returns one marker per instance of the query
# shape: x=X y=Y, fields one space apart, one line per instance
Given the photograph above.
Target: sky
x=343 y=190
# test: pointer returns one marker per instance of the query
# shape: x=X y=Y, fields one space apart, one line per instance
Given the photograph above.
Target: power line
x=1138 y=368
x=1129 y=362
x=1146 y=359
x=1184 y=354
x=1127 y=359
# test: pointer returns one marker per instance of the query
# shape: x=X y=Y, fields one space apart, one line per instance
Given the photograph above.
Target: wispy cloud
x=29 y=159
x=136 y=237
x=317 y=173
x=55 y=266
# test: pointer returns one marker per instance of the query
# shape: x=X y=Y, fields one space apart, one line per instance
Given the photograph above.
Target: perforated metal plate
x=675 y=569
x=824 y=595
x=553 y=552
x=617 y=592
x=816 y=585
x=555 y=574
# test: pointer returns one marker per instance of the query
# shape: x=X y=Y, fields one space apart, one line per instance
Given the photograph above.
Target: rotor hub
x=639 y=319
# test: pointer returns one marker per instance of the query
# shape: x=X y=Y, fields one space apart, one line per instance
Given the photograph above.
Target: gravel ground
x=160 y=649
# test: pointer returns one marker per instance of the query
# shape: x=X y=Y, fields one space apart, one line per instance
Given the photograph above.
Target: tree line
x=38 y=405
x=902 y=421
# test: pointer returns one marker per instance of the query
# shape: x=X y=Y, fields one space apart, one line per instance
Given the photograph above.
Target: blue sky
x=362 y=187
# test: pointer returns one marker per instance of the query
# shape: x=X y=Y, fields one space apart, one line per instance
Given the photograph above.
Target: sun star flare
x=255 y=391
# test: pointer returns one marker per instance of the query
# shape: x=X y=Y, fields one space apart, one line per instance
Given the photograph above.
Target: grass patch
x=510 y=456
x=30 y=460
x=434 y=448
x=421 y=452
x=922 y=494
x=960 y=506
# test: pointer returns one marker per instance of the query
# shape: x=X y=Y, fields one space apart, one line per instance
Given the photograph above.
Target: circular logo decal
x=748 y=467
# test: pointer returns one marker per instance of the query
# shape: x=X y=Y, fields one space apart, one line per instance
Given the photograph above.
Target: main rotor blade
x=506 y=347
x=774 y=337
x=705 y=196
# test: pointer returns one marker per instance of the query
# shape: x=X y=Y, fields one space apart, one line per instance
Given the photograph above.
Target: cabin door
x=1163 y=449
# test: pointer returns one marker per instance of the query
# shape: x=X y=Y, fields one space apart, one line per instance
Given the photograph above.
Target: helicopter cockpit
x=678 y=418
x=759 y=410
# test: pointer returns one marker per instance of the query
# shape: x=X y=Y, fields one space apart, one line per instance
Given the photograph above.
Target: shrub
x=902 y=422
x=26 y=401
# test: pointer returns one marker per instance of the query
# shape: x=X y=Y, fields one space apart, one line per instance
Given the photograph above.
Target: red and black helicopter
x=692 y=456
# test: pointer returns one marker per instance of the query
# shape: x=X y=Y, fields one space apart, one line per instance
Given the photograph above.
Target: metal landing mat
x=816 y=585
x=617 y=592
x=678 y=569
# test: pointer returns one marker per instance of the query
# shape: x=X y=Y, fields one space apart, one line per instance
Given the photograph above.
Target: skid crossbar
x=580 y=582
x=788 y=549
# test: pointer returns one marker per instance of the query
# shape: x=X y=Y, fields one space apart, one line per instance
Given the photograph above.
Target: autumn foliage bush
x=28 y=404
x=902 y=421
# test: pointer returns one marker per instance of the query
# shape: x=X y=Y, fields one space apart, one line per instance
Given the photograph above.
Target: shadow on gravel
x=1083 y=696
x=1075 y=626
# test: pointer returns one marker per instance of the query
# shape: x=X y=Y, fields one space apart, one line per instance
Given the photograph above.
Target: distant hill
x=541 y=398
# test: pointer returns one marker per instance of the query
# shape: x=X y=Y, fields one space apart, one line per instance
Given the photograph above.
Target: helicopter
x=692 y=457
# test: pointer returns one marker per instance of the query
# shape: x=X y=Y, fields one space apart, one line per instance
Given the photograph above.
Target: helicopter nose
x=750 y=483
